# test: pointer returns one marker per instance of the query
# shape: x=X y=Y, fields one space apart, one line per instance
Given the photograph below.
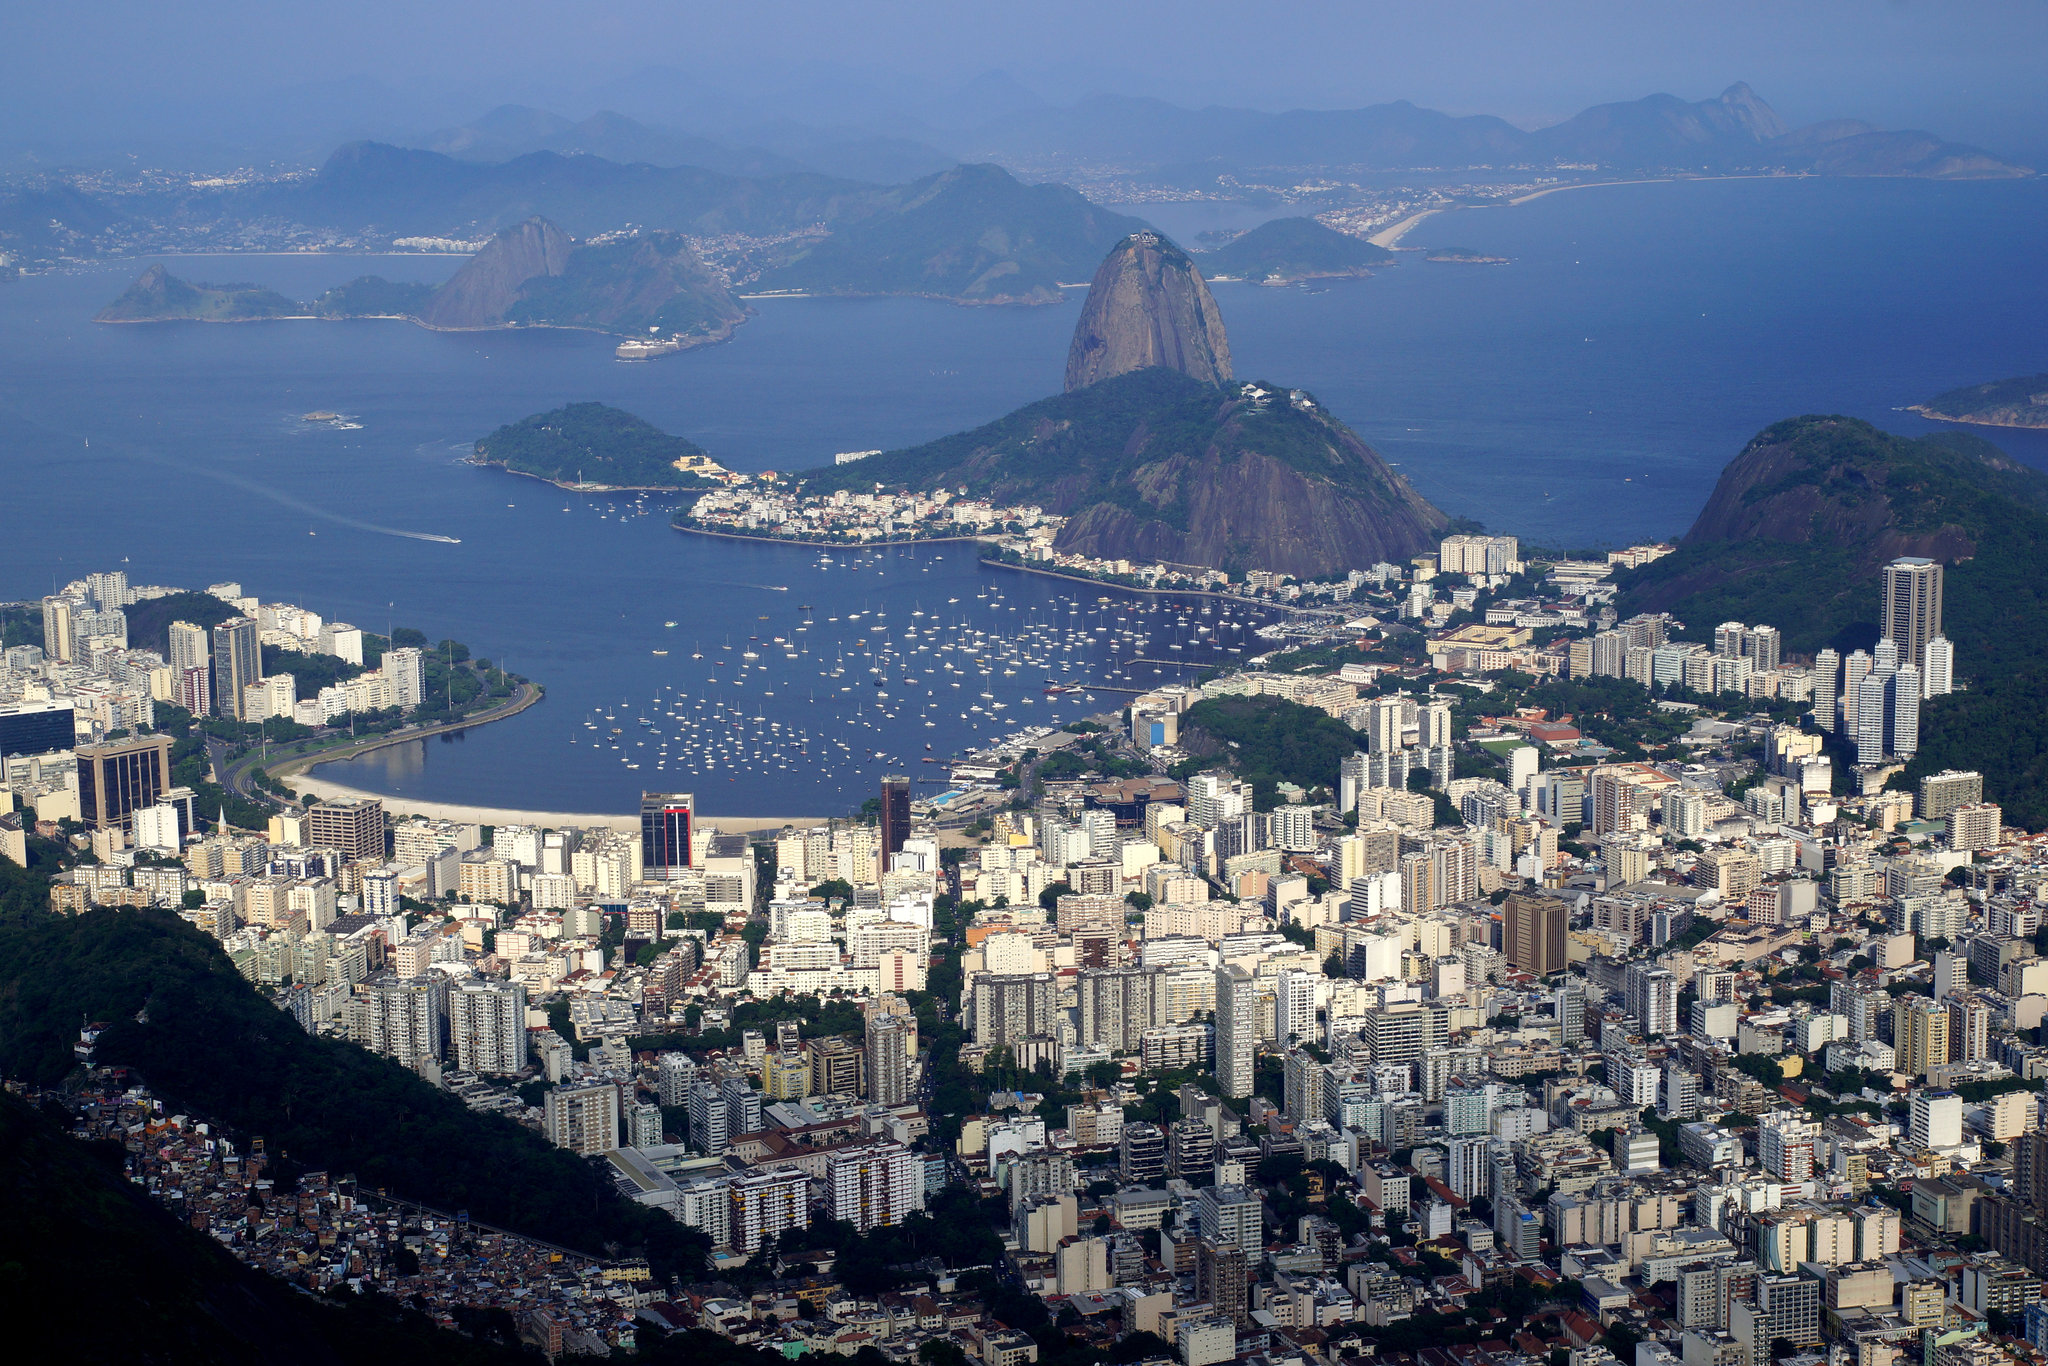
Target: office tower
x=1827 y=688
x=121 y=777
x=36 y=728
x=583 y=1119
x=895 y=817
x=1237 y=1031
x=874 y=1186
x=189 y=648
x=667 y=822
x=60 y=621
x=487 y=1024
x=1533 y=933
x=237 y=662
x=1912 y=606
x=1012 y=1007
x=354 y=828
x=888 y=1061
x=1920 y=1035
x=1938 y=668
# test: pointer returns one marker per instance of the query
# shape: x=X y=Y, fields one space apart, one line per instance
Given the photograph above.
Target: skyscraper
x=666 y=825
x=237 y=662
x=1237 y=1030
x=1912 y=606
x=60 y=617
x=895 y=818
x=37 y=727
x=1533 y=938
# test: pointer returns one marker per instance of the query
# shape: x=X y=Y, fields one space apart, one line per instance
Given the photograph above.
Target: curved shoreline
x=1155 y=592
x=298 y=763
x=830 y=545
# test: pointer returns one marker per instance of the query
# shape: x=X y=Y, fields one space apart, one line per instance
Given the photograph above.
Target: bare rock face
x=484 y=291
x=1148 y=306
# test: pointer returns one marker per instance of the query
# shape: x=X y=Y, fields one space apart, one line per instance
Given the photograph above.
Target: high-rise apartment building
x=237 y=663
x=1912 y=606
x=767 y=1205
x=888 y=1062
x=1533 y=932
x=667 y=821
x=1920 y=1035
x=1827 y=688
x=353 y=827
x=121 y=777
x=1237 y=1030
x=837 y=1064
x=1943 y=792
x=487 y=1026
x=1975 y=826
x=1011 y=1007
x=60 y=625
x=874 y=1186
x=400 y=1019
x=583 y=1119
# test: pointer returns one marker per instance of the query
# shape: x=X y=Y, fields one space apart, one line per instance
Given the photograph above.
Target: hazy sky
x=1968 y=69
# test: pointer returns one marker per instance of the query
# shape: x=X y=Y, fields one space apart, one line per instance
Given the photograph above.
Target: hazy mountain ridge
x=1736 y=130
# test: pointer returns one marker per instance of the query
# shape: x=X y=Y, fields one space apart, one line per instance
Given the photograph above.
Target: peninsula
x=2019 y=402
x=1290 y=249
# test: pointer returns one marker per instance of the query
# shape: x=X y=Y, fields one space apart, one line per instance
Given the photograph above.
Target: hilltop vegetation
x=2021 y=402
x=1152 y=465
x=373 y=296
x=1293 y=249
x=1267 y=741
x=595 y=444
x=159 y=296
x=204 y=1040
x=1797 y=533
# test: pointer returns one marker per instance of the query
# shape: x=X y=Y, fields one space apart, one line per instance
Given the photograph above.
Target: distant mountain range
x=1737 y=131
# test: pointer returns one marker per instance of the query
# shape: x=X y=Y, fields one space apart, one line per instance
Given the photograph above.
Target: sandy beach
x=554 y=820
x=1387 y=237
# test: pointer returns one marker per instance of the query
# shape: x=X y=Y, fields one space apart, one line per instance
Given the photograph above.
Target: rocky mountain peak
x=1148 y=306
x=482 y=293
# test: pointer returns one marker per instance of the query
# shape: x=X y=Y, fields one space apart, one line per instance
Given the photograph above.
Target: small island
x=1287 y=250
x=2019 y=402
x=594 y=448
x=1464 y=256
x=159 y=296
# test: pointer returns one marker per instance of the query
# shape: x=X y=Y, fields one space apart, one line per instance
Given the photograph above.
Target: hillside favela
x=1155 y=687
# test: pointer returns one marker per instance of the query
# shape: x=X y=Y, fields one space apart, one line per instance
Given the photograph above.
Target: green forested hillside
x=593 y=444
x=159 y=296
x=1797 y=533
x=204 y=1040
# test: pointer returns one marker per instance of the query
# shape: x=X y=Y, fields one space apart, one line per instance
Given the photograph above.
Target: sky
x=229 y=74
